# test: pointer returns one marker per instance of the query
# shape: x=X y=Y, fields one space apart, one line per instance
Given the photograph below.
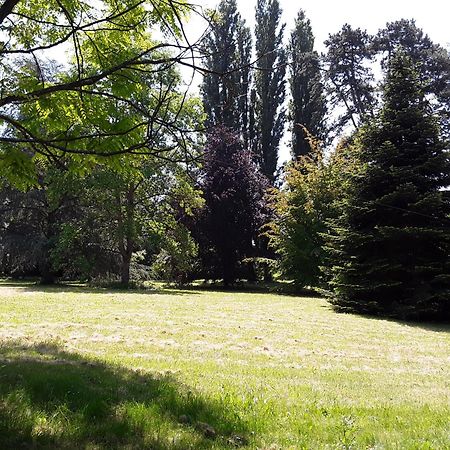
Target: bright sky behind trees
x=328 y=16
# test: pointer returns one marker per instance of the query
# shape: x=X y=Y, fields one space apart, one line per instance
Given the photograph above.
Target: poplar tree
x=390 y=247
x=227 y=51
x=269 y=89
x=307 y=107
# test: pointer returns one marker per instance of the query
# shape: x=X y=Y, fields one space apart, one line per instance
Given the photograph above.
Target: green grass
x=174 y=369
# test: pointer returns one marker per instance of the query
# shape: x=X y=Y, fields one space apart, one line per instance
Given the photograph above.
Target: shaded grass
x=278 y=371
x=54 y=399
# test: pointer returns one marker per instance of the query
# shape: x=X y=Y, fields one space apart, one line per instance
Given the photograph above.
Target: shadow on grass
x=34 y=286
x=275 y=288
x=436 y=326
x=50 y=398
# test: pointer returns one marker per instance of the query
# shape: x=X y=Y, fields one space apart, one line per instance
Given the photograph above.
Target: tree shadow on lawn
x=436 y=326
x=274 y=288
x=31 y=286
x=50 y=398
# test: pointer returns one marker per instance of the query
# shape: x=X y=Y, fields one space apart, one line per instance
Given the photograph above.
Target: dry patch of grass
x=271 y=371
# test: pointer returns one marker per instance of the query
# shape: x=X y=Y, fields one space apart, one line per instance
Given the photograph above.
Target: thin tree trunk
x=47 y=274
x=126 y=231
x=125 y=269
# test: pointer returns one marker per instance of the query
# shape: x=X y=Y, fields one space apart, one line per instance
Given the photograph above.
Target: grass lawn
x=175 y=369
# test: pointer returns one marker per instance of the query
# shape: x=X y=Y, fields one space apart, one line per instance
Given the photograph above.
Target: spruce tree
x=431 y=59
x=307 y=107
x=227 y=52
x=269 y=91
x=390 y=248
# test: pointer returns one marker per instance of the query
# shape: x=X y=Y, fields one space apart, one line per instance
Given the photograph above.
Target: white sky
x=328 y=16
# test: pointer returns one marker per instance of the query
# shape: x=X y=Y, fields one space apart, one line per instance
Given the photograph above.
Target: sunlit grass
x=83 y=368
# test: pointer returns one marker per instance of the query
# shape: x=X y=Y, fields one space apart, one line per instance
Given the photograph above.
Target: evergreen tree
x=269 y=91
x=405 y=35
x=30 y=225
x=350 y=76
x=307 y=107
x=431 y=60
x=390 y=247
x=225 y=90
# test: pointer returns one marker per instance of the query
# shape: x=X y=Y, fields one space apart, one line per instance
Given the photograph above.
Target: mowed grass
x=179 y=369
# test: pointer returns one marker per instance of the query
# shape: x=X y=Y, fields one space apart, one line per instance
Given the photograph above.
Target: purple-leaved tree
x=235 y=209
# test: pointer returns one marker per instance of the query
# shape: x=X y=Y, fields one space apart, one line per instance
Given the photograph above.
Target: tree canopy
x=116 y=93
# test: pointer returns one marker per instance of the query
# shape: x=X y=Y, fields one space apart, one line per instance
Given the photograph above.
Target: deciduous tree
x=307 y=106
x=234 y=193
x=62 y=113
x=269 y=87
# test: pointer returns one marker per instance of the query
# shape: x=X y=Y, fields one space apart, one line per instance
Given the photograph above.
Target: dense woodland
x=114 y=170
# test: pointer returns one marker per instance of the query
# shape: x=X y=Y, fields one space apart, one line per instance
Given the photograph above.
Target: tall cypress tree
x=269 y=90
x=307 y=107
x=391 y=245
x=227 y=51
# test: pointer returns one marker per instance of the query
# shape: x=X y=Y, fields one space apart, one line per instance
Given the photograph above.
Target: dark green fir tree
x=390 y=248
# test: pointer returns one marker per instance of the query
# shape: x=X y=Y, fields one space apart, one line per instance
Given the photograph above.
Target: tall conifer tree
x=392 y=243
x=350 y=75
x=432 y=61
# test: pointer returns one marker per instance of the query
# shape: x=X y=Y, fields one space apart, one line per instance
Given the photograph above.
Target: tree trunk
x=268 y=278
x=47 y=273
x=126 y=231
x=125 y=269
